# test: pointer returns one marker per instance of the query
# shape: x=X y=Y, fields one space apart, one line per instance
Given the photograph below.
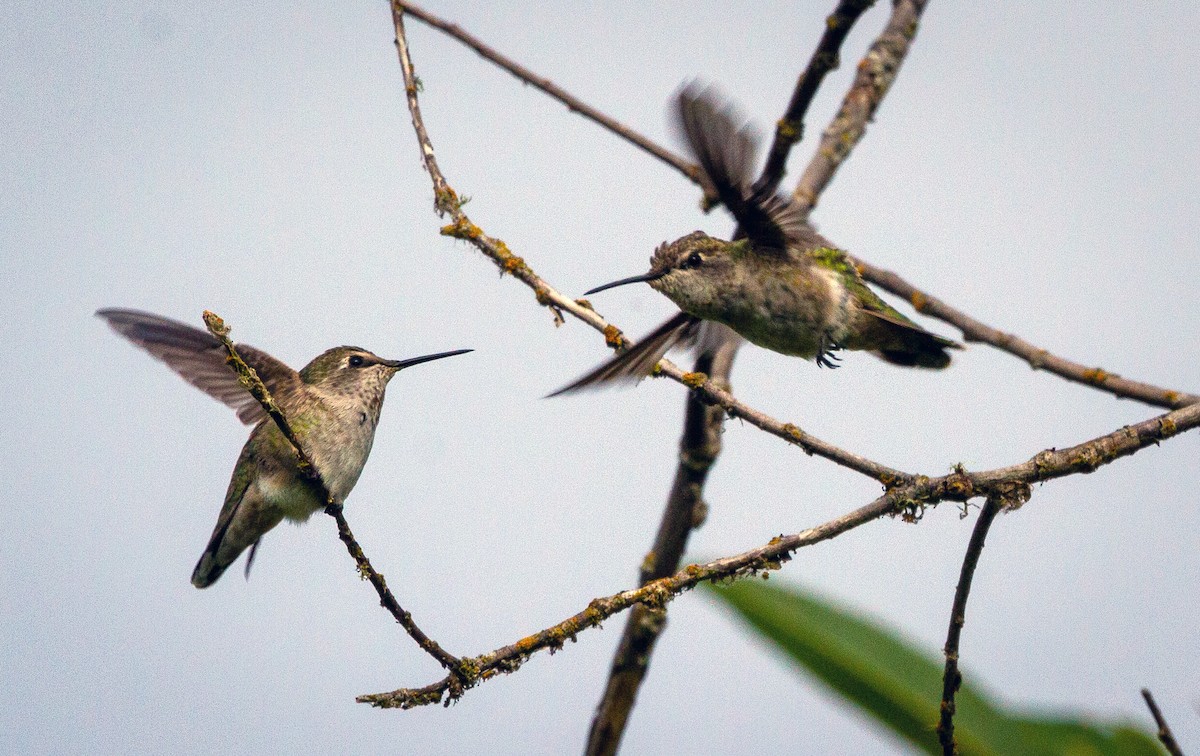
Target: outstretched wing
x=639 y=360
x=200 y=359
x=724 y=145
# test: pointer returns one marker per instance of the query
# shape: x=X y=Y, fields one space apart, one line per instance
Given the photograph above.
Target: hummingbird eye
x=694 y=260
x=356 y=360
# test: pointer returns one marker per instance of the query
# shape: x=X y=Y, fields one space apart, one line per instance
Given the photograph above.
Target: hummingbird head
x=692 y=271
x=352 y=370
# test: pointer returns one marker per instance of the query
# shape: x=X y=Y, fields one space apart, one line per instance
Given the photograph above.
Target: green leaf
x=901 y=686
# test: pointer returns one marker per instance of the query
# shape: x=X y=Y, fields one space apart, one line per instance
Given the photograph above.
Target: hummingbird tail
x=207 y=570
x=239 y=528
x=215 y=561
x=904 y=343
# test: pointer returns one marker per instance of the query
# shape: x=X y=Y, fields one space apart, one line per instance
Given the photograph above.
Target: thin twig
x=876 y=72
x=249 y=378
x=790 y=129
x=1039 y=359
x=688 y=169
x=447 y=202
x=388 y=601
x=1164 y=732
x=952 y=678
x=910 y=500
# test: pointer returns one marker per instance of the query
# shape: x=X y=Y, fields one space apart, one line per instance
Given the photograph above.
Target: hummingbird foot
x=826 y=356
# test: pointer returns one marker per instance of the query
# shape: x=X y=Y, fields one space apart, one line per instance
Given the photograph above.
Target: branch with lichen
x=461 y=227
x=1011 y=484
x=973 y=330
x=825 y=58
x=908 y=496
x=250 y=380
x=876 y=72
x=1038 y=359
x=703 y=425
x=685 y=511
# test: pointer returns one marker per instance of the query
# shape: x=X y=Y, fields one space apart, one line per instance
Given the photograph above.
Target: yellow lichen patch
x=919 y=301
x=796 y=434
x=694 y=380
x=511 y=263
x=1096 y=376
x=1171 y=397
x=446 y=200
x=462 y=229
x=613 y=337
x=787 y=129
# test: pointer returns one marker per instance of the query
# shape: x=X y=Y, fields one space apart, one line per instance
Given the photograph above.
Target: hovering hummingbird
x=779 y=284
x=332 y=405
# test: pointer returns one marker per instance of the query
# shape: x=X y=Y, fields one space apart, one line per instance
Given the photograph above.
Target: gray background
x=1035 y=165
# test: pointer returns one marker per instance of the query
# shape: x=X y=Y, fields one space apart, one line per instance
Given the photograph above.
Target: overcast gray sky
x=1034 y=165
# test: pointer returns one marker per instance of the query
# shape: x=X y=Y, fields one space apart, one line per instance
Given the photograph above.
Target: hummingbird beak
x=645 y=277
x=401 y=364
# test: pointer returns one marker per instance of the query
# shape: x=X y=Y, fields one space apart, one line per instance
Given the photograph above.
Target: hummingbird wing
x=638 y=361
x=200 y=359
x=725 y=145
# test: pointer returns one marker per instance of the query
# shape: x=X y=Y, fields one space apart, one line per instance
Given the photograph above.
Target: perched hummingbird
x=332 y=406
x=778 y=284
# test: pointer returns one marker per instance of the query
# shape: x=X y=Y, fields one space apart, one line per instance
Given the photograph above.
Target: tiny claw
x=825 y=354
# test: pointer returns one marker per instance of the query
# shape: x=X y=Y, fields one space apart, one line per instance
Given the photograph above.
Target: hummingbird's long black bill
x=401 y=364
x=632 y=279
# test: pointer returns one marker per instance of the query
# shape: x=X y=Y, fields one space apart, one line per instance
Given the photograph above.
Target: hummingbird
x=332 y=405
x=778 y=284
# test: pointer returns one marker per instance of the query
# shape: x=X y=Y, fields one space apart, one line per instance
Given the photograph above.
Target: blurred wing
x=639 y=360
x=200 y=359
x=725 y=152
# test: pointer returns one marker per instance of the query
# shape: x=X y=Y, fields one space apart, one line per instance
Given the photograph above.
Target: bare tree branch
x=1164 y=732
x=876 y=72
x=973 y=330
x=685 y=511
x=876 y=60
x=952 y=679
x=790 y=129
x=908 y=501
x=249 y=378
x=907 y=495
x=566 y=98
x=446 y=202
x=701 y=442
